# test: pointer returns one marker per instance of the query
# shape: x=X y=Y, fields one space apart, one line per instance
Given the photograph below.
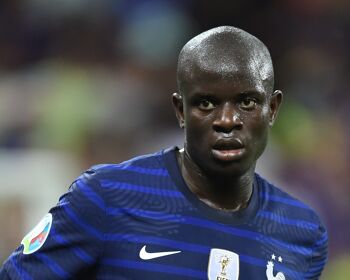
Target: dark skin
x=226 y=107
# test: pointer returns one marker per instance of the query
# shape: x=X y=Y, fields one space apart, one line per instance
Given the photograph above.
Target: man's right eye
x=205 y=105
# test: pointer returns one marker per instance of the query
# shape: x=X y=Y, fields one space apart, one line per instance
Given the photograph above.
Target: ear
x=275 y=102
x=179 y=108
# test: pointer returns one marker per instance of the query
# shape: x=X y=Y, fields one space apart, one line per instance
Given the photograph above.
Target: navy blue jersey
x=139 y=220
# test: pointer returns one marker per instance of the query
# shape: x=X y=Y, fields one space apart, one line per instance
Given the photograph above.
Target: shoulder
x=102 y=186
x=274 y=198
x=148 y=164
x=131 y=183
x=110 y=179
x=280 y=206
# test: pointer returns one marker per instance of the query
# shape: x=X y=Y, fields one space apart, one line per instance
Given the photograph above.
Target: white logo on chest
x=223 y=265
x=269 y=269
x=148 y=256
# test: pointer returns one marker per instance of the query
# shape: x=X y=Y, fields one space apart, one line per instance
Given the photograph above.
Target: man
x=196 y=213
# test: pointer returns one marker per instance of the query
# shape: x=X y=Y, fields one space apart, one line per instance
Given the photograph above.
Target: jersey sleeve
x=3 y=274
x=319 y=256
x=74 y=239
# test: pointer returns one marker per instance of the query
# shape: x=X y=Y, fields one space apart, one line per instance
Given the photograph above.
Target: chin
x=227 y=168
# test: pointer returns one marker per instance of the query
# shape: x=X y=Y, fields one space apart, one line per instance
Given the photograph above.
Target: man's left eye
x=248 y=104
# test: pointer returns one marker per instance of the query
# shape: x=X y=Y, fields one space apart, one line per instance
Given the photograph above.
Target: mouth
x=228 y=149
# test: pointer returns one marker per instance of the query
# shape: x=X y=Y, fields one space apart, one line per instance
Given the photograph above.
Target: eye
x=205 y=105
x=248 y=103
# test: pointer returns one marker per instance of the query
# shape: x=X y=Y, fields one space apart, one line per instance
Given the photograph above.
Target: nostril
x=227 y=128
x=226 y=125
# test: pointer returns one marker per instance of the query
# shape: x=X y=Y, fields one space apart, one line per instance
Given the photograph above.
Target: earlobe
x=177 y=101
x=275 y=103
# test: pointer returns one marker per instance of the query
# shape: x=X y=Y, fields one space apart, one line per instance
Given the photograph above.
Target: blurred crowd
x=90 y=81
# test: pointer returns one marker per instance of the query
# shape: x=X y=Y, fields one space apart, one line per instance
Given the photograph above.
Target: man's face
x=226 y=120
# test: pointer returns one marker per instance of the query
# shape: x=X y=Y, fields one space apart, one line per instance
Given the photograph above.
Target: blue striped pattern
x=183 y=246
x=81 y=224
x=205 y=223
x=111 y=211
x=50 y=263
x=91 y=195
x=166 y=269
x=20 y=272
x=285 y=221
x=213 y=226
x=137 y=169
x=142 y=189
x=288 y=201
x=76 y=250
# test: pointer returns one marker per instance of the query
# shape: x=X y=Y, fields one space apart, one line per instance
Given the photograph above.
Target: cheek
x=197 y=123
x=256 y=124
x=259 y=126
x=259 y=120
x=265 y=111
x=197 y=134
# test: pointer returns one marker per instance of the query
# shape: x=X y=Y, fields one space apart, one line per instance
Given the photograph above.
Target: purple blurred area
x=90 y=81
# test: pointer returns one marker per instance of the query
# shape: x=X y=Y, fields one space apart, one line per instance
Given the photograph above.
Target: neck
x=228 y=193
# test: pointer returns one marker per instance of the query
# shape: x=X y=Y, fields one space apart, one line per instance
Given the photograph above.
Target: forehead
x=236 y=79
x=236 y=68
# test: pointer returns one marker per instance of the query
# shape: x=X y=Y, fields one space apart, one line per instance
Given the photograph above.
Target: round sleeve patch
x=36 y=238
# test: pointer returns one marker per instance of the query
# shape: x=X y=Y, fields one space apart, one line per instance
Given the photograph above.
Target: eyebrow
x=203 y=94
x=200 y=94
x=252 y=92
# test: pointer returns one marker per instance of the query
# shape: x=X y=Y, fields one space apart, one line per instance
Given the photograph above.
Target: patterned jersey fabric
x=139 y=220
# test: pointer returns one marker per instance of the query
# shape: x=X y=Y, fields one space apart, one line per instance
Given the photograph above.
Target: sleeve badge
x=36 y=238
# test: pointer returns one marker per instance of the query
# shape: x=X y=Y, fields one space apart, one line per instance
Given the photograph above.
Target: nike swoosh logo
x=148 y=256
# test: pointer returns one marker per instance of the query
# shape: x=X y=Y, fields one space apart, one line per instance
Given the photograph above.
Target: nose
x=227 y=119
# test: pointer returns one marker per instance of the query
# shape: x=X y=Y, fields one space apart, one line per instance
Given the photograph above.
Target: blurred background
x=90 y=81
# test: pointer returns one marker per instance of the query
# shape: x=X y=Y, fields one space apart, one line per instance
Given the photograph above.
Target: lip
x=228 y=149
x=228 y=155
